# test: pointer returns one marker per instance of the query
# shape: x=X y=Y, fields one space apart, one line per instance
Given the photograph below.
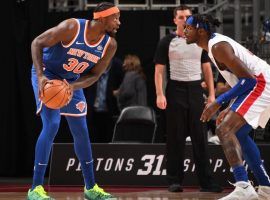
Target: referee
x=184 y=102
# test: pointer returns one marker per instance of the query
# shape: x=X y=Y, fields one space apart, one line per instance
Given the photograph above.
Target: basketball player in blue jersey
x=249 y=78
x=77 y=51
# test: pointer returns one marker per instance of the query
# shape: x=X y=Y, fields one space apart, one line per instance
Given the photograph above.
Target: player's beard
x=190 y=41
x=112 y=34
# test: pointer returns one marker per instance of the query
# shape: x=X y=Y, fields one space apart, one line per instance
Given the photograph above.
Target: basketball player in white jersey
x=249 y=78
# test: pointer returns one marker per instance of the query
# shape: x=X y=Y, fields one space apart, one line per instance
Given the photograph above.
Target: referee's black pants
x=185 y=104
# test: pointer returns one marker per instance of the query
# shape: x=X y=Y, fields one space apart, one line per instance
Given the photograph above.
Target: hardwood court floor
x=72 y=193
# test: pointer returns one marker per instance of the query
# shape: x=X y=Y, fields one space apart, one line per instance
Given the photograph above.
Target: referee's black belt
x=182 y=83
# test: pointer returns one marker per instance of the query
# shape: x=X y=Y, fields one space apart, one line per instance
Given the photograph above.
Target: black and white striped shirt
x=183 y=60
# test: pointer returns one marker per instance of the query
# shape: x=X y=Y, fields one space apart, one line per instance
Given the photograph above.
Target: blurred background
x=143 y=23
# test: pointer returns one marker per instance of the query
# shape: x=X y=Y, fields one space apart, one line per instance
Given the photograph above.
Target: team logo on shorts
x=81 y=106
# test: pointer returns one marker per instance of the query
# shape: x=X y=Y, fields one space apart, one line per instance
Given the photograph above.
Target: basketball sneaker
x=264 y=192
x=243 y=191
x=38 y=194
x=97 y=193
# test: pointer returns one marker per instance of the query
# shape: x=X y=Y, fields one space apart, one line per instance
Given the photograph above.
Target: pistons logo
x=81 y=106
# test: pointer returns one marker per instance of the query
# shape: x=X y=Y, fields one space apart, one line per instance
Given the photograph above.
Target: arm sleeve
x=243 y=85
x=205 y=58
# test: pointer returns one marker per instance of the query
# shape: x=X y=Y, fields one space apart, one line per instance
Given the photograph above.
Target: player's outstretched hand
x=209 y=111
x=222 y=115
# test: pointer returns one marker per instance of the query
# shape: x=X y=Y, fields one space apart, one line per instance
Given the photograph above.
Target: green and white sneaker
x=38 y=194
x=97 y=193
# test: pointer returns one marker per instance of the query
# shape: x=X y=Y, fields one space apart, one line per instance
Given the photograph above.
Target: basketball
x=56 y=94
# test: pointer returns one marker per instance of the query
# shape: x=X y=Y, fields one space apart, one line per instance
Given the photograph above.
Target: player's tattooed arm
x=64 y=32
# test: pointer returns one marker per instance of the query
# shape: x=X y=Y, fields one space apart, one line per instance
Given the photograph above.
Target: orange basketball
x=55 y=94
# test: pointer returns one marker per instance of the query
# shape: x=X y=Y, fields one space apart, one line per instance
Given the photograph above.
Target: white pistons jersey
x=255 y=107
x=253 y=63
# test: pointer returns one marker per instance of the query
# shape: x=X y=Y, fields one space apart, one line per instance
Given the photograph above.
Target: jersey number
x=75 y=66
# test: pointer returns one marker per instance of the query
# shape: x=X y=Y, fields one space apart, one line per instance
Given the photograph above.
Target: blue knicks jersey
x=69 y=61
